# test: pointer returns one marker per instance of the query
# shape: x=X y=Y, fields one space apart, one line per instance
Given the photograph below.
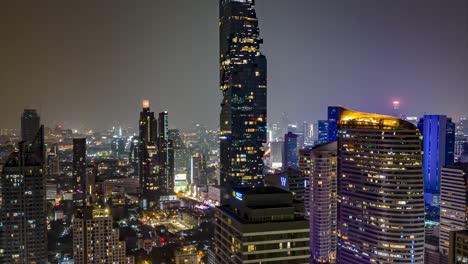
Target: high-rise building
x=181 y=155
x=290 y=152
x=458 y=252
x=322 y=131
x=380 y=190
x=165 y=155
x=196 y=169
x=259 y=225
x=30 y=123
x=290 y=180
x=438 y=133
x=148 y=125
x=334 y=113
x=79 y=167
x=23 y=229
x=305 y=168
x=453 y=202
x=243 y=81
x=95 y=240
x=276 y=154
x=323 y=203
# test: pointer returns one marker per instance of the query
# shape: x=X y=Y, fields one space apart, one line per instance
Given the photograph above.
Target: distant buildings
x=438 y=133
x=290 y=152
x=276 y=154
x=380 y=190
x=453 y=202
x=23 y=230
x=259 y=225
x=147 y=124
x=30 y=123
x=95 y=240
x=165 y=155
x=243 y=81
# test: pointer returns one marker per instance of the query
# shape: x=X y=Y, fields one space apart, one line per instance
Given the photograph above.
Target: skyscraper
x=243 y=81
x=290 y=153
x=322 y=131
x=23 y=229
x=380 y=190
x=323 y=203
x=79 y=167
x=148 y=124
x=438 y=133
x=165 y=155
x=334 y=113
x=453 y=202
x=30 y=123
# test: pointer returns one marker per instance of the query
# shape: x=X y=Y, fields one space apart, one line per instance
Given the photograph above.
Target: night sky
x=88 y=64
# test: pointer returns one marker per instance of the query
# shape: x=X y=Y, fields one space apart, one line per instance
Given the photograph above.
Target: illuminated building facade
x=260 y=225
x=458 y=253
x=23 y=230
x=95 y=240
x=334 y=113
x=243 y=81
x=30 y=123
x=147 y=125
x=305 y=169
x=453 y=202
x=290 y=153
x=165 y=155
x=322 y=131
x=290 y=180
x=438 y=133
x=380 y=190
x=186 y=255
x=323 y=203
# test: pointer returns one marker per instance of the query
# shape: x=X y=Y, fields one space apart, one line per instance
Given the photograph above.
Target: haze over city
x=88 y=64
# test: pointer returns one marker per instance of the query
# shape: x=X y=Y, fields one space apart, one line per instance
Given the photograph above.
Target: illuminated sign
x=238 y=195
x=284 y=181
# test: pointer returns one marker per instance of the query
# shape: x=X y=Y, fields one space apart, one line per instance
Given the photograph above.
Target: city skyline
x=78 y=55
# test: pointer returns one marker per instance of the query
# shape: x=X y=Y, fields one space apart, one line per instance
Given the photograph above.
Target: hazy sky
x=88 y=63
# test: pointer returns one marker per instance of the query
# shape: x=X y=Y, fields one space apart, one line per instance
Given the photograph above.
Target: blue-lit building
x=438 y=133
x=290 y=153
x=334 y=113
x=322 y=132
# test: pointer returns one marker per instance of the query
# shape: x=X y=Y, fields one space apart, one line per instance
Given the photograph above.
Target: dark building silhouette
x=79 y=167
x=290 y=153
x=243 y=82
x=23 y=230
x=30 y=123
x=165 y=155
x=148 y=124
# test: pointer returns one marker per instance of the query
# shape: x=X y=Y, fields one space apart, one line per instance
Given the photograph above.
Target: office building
x=380 y=190
x=30 y=123
x=323 y=203
x=438 y=133
x=243 y=81
x=453 y=202
x=95 y=240
x=196 y=163
x=181 y=155
x=23 y=229
x=165 y=155
x=322 y=132
x=458 y=253
x=290 y=180
x=147 y=125
x=259 y=225
x=305 y=168
x=290 y=153
x=276 y=154
x=334 y=113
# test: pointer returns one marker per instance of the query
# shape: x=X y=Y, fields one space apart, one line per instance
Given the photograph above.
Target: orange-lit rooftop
x=350 y=117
